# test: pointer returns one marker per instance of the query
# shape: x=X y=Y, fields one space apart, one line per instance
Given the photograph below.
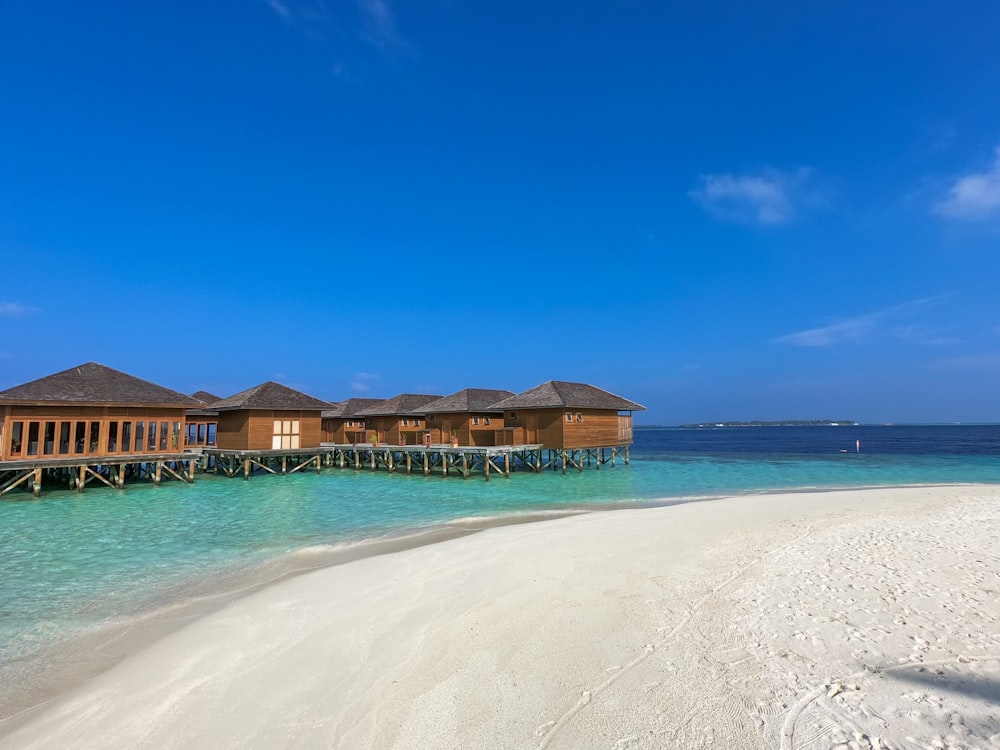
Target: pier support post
x=158 y=475
x=246 y=468
x=36 y=485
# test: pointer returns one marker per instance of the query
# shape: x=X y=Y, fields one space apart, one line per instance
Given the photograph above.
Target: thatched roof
x=404 y=403
x=205 y=397
x=270 y=395
x=350 y=408
x=93 y=383
x=558 y=394
x=468 y=400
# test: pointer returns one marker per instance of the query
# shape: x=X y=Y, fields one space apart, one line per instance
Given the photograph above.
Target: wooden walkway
x=443 y=460
x=440 y=460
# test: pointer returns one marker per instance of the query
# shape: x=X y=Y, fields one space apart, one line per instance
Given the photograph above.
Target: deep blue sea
x=70 y=563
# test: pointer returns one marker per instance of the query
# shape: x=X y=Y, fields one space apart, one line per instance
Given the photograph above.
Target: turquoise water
x=70 y=562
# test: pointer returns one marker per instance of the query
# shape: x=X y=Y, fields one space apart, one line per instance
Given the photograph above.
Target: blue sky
x=765 y=210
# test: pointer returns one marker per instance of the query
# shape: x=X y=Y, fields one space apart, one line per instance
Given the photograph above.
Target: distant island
x=778 y=423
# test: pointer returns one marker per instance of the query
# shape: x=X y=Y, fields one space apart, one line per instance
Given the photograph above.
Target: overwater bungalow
x=89 y=412
x=269 y=416
x=343 y=424
x=566 y=416
x=398 y=420
x=466 y=417
x=201 y=424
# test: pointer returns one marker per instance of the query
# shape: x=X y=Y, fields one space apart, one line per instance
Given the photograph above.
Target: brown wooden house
x=398 y=420
x=563 y=415
x=201 y=424
x=343 y=424
x=466 y=417
x=88 y=412
x=269 y=416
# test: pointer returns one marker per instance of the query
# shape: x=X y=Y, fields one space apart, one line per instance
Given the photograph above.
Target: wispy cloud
x=281 y=10
x=884 y=323
x=16 y=310
x=770 y=197
x=364 y=382
x=380 y=28
x=973 y=196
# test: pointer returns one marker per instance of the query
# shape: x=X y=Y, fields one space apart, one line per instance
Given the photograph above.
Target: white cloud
x=364 y=382
x=771 y=197
x=16 y=310
x=880 y=323
x=974 y=196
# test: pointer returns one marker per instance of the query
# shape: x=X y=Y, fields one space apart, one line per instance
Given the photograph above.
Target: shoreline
x=80 y=656
x=158 y=636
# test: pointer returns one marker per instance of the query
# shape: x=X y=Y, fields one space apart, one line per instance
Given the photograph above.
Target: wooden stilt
x=36 y=486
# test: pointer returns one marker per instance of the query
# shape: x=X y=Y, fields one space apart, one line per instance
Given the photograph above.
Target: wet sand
x=863 y=618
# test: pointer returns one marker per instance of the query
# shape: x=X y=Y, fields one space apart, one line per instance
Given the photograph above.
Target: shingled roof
x=93 y=383
x=404 y=403
x=558 y=394
x=468 y=400
x=270 y=395
x=205 y=397
x=350 y=408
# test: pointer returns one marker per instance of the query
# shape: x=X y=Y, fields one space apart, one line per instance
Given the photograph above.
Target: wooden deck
x=113 y=471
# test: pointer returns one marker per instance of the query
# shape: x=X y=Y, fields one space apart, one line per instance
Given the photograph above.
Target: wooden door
x=531 y=428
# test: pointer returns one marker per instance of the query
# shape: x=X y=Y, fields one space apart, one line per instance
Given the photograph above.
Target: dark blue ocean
x=73 y=562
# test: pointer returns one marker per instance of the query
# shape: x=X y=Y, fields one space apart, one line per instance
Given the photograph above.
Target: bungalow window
x=406 y=422
x=49 y=446
x=579 y=417
x=286 y=434
x=140 y=436
x=475 y=420
x=79 y=437
x=64 y=430
x=486 y=420
x=16 y=437
x=569 y=416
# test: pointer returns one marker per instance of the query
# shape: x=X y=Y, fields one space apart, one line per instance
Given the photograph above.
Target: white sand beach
x=853 y=619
